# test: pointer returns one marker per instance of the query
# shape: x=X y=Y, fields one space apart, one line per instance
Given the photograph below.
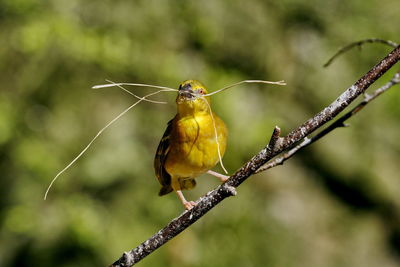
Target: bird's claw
x=224 y=178
x=189 y=205
x=221 y=177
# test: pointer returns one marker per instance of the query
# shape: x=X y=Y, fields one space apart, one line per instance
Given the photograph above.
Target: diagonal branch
x=338 y=123
x=276 y=146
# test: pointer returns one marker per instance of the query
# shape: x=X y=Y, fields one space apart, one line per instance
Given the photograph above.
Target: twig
x=276 y=146
x=338 y=123
x=359 y=44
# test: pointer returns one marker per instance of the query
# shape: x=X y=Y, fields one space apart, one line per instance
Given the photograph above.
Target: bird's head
x=191 y=98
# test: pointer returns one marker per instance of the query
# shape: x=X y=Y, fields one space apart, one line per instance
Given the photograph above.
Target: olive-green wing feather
x=161 y=155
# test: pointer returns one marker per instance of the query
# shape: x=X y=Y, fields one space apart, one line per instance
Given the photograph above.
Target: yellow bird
x=189 y=146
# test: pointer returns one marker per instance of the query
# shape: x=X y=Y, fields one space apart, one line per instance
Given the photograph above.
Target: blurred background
x=334 y=204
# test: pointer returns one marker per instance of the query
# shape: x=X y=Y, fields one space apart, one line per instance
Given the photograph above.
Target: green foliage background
x=334 y=204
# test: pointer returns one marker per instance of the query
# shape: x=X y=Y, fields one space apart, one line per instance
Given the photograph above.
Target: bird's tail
x=166 y=189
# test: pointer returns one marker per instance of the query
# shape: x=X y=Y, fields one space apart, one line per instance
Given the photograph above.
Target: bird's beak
x=186 y=92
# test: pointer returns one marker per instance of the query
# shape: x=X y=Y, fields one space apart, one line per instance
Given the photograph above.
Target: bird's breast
x=194 y=145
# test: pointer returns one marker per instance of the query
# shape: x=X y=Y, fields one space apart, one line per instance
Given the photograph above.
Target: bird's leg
x=220 y=176
x=187 y=204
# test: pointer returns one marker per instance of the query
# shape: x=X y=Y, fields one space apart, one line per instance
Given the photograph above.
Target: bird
x=193 y=143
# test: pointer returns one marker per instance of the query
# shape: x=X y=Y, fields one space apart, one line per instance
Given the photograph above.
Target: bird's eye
x=200 y=91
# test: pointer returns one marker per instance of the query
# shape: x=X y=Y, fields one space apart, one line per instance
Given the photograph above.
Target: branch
x=276 y=146
x=359 y=44
x=338 y=123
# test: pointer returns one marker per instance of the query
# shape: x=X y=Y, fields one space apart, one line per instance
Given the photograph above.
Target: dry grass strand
x=216 y=134
x=96 y=136
x=245 y=81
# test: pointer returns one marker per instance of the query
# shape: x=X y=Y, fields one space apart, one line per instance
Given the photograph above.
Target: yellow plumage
x=189 y=145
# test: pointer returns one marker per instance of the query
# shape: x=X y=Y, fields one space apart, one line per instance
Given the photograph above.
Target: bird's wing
x=161 y=155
